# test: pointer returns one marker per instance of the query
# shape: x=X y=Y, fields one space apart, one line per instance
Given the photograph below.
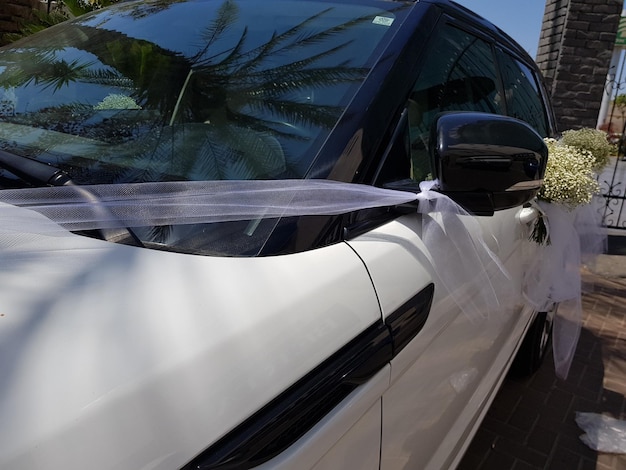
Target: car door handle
x=528 y=215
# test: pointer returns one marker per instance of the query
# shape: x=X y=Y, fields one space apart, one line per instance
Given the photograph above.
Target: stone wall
x=574 y=54
x=14 y=12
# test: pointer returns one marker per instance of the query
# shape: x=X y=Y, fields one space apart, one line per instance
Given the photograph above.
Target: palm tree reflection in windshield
x=246 y=111
x=248 y=104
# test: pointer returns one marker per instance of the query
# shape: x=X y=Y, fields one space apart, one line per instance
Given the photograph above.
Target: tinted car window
x=523 y=98
x=458 y=74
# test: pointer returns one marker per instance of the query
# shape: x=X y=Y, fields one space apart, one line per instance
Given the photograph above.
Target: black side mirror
x=487 y=162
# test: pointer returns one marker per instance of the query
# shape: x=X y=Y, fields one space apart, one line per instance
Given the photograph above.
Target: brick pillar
x=575 y=48
x=14 y=12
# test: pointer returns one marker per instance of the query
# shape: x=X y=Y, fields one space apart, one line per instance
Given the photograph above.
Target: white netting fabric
x=191 y=202
x=576 y=236
x=460 y=257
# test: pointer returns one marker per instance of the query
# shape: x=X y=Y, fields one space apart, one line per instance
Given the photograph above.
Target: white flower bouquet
x=570 y=179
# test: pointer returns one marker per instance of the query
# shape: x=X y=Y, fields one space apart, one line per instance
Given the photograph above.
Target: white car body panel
x=145 y=394
x=210 y=344
x=358 y=449
x=444 y=379
x=110 y=353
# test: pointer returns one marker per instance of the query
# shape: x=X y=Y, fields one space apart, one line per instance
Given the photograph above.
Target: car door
x=444 y=380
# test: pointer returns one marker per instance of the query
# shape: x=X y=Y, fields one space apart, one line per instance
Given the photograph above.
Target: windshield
x=185 y=90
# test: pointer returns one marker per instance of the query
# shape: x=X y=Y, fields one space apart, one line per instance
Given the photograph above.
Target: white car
x=329 y=339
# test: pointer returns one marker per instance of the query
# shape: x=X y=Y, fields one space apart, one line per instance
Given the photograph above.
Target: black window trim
x=502 y=46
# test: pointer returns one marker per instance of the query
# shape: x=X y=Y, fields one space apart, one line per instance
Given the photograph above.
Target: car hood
x=120 y=357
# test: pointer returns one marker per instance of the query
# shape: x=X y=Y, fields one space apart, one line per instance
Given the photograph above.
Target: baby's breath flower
x=569 y=179
x=592 y=140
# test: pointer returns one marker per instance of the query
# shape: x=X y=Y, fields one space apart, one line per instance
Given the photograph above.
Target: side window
x=459 y=74
x=523 y=98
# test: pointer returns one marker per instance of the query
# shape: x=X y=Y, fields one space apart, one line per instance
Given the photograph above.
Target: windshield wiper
x=34 y=172
x=39 y=174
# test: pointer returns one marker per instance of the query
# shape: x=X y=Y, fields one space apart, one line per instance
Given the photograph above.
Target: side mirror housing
x=487 y=162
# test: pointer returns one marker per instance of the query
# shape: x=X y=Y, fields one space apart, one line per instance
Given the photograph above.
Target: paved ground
x=531 y=424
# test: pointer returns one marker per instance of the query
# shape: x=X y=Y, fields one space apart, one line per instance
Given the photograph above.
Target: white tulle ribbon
x=554 y=278
x=467 y=269
x=192 y=202
x=471 y=273
x=588 y=222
